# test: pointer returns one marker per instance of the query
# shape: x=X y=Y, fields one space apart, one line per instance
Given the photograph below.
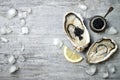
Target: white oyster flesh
x=76 y=31
x=101 y=50
x=111 y=68
x=91 y=70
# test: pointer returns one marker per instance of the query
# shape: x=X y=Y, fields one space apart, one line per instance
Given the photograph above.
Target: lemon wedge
x=71 y=56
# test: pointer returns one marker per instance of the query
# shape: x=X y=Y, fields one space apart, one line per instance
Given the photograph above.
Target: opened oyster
x=76 y=31
x=101 y=50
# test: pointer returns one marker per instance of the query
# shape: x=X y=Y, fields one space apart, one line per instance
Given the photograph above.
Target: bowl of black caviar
x=98 y=23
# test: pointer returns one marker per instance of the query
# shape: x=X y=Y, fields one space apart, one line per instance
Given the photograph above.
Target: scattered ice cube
x=57 y=42
x=5 y=30
x=83 y=7
x=13 y=69
x=22 y=22
x=105 y=75
x=91 y=70
x=16 y=53
x=26 y=9
x=22 y=14
x=11 y=59
x=111 y=68
x=25 y=14
x=29 y=10
x=12 y=13
x=21 y=58
x=22 y=48
x=25 y=30
x=4 y=39
x=111 y=30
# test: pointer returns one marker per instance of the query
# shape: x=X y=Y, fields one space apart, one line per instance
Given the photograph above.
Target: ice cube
x=11 y=59
x=111 y=30
x=5 y=30
x=21 y=58
x=57 y=42
x=4 y=39
x=111 y=68
x=83 y=7
x=25 y=30
x=22 y=15
x=22 y=22
x=91 y=70
x=105 y=75
x=13 y=69
x=12 y=13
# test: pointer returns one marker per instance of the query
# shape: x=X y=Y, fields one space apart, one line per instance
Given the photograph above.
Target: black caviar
x=98 y=23
x=78 y=32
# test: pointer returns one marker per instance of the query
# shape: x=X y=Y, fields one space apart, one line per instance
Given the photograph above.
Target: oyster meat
x=101 y=50
x=76 y=31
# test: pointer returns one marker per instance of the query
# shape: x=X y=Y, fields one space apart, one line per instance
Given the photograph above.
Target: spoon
x=109 y=10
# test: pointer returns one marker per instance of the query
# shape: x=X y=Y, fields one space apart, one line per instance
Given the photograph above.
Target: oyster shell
x=101 y=50
x=76 y=31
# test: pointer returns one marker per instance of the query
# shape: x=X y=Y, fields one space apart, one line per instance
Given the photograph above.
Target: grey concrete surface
x=43 y=60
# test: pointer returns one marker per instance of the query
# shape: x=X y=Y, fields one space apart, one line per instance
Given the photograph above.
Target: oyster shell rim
x=108 y=56
x=80 y=48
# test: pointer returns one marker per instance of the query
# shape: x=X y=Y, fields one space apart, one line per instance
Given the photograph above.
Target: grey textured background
x=43 y=60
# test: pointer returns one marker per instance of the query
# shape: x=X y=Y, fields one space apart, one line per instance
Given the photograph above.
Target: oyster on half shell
x=101 y=50
x=76 y=31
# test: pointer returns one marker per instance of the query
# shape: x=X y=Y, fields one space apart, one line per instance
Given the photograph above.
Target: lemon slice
x=71 y=56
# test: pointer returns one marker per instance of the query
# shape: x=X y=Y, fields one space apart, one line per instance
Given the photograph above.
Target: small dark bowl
x=98 y=23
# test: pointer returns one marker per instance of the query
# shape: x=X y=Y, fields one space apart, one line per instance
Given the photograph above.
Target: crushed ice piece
x=83 y=7
x=57 y=42
x=5 y=30
x=11 y=59
x=21 y=58
x=25 y=30
x=25 y=14
x=111 y=68
x=26 y=9
x=13 y=69
x=105 y=75
x=22 y=14
x=91 y=70
x=4 y=39
x=29 y=10
x=22 y=22
x=111 y=30
x=16 y=52
x=12 y=13
x=22 y=48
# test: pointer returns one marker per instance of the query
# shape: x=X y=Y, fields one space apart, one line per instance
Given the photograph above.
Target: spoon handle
x=109 y=10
